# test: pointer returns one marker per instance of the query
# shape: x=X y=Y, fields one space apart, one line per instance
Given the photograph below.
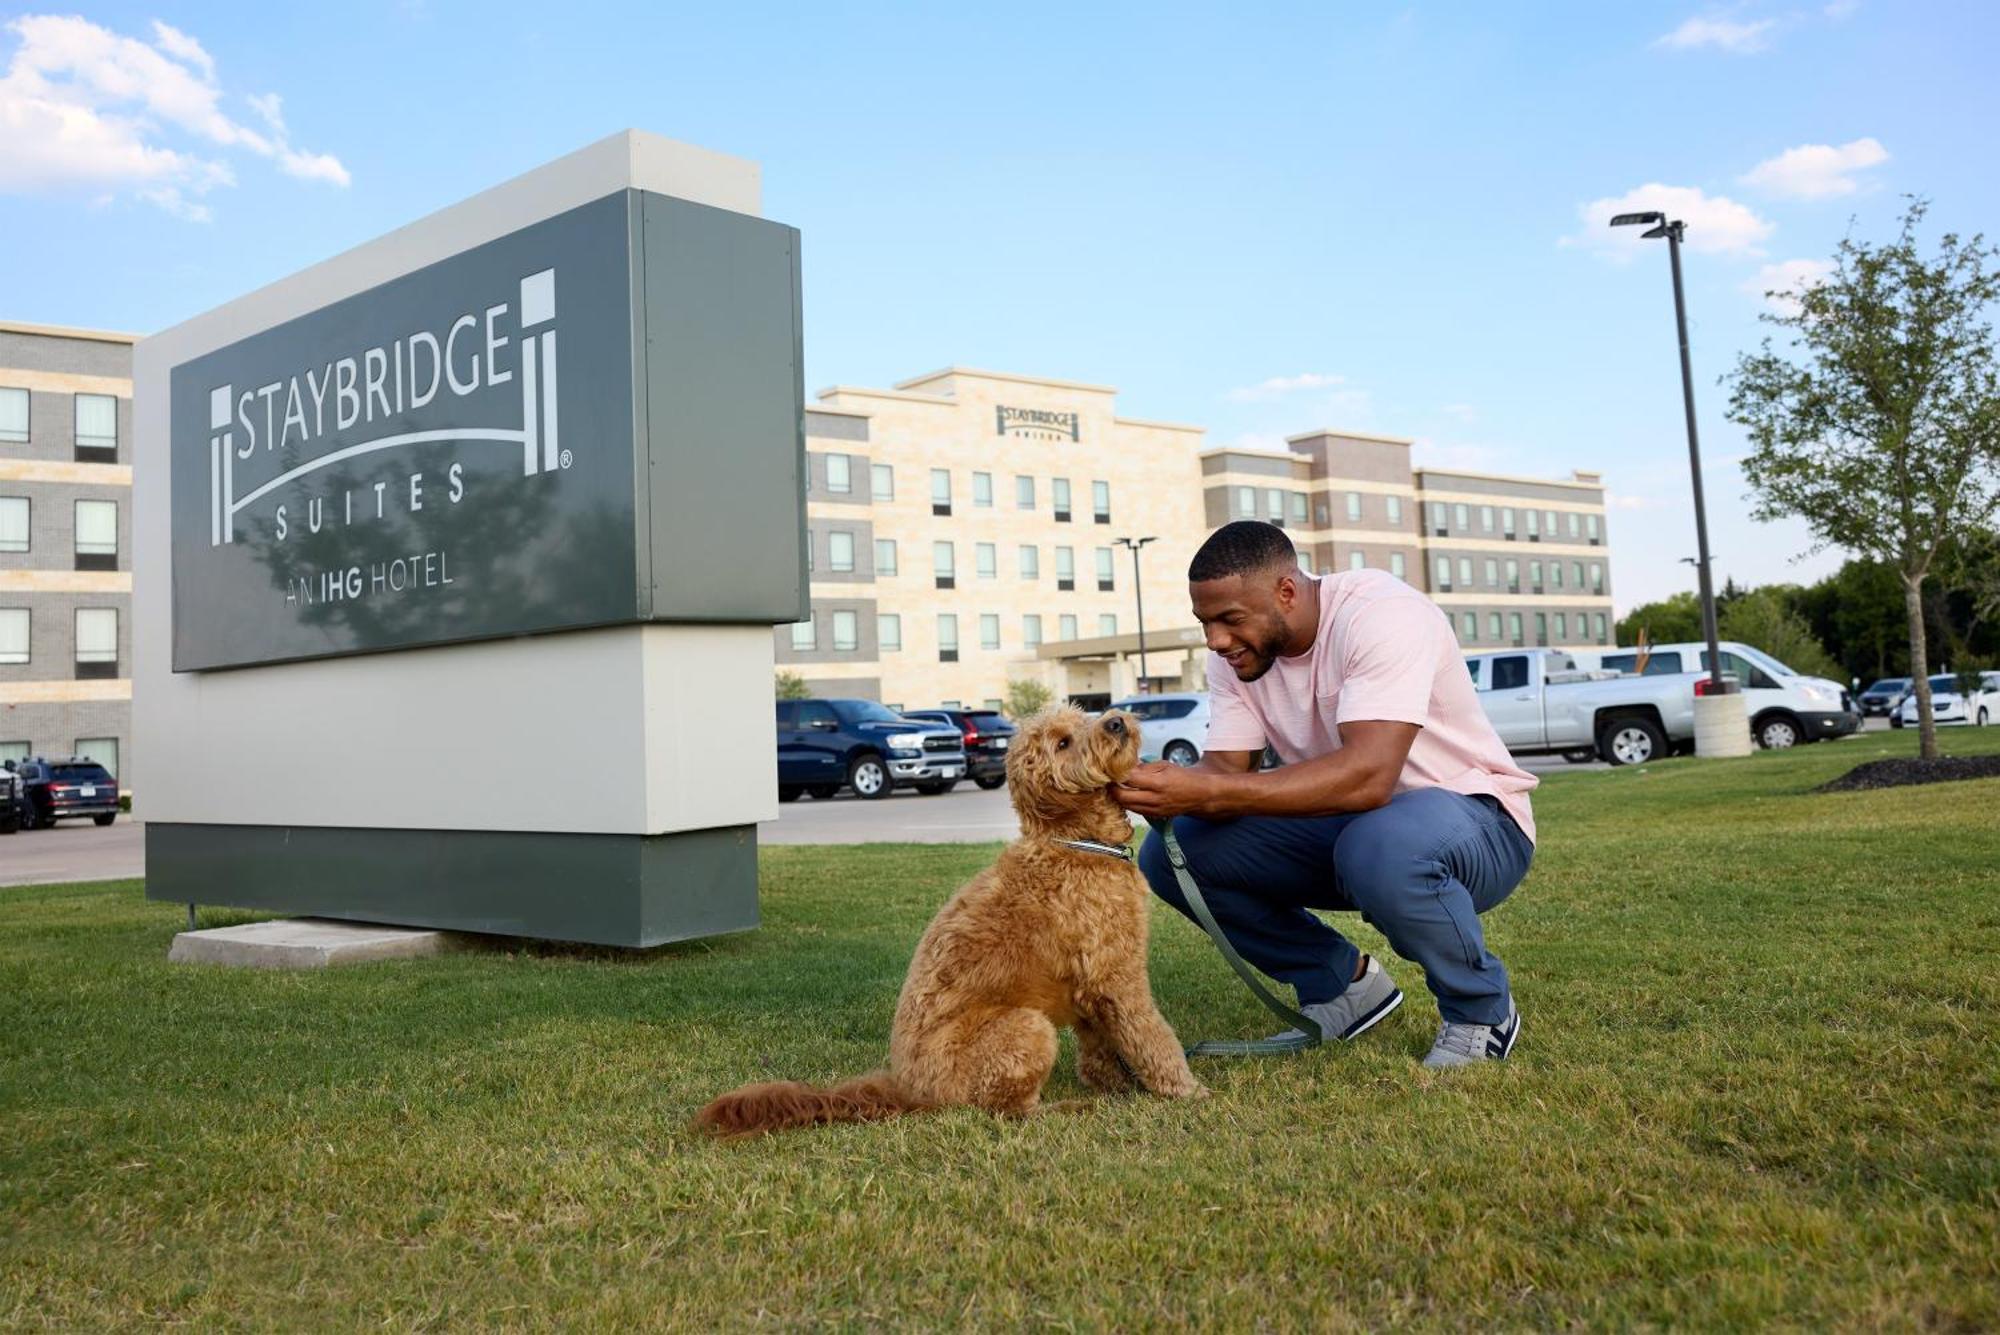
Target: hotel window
x=1492 y=572
x=1541 y=628
x=1396 y=566
x=1493 y=625
x=1600 y=629
x=885 y=556
x=809 y=550
x=1444 y=573
x=1065 y=568
x=1590 y=526
x=944 y=565
x=96 y=422
x=13 y=415
x=1468 y=623
x=805 y=634
x=1353 y=507
x=1513 y=577
x=840 y=552
x=14 y=511
x=1100 y=502
x=96 y=642
x=1534 y=574
x=1555 y=574
x=1059 y=498
x=1549 y=517
x=16 y=751
x=889 y=632
x=1596 y=577
x=986 y=560
x=982 y=490
x=846 y=632
x=940 y=491
x=97 y=535
x=1438 y=526
x=1246 y=502
x=1321 y=515
x=995 y=703
x=839 y=474
x=13 y=635
x=1514 y=627
x=882 y=481
x=1357 y=560
x=1534 y=518
x=1107 y=623
x=1105 y=582
x=104 y=750
x=989 y=630
x=947 y=637
x=1024 y=492
x=1461 y=518
x=1562 y=627
x=1031 y=629
x=1031 y=563
x=1572 y=524
x=1465 y=571
x=1274 y=505
x=1299 y=508
x=1576 y=568
x=1394 y=505
x=1485 y=519
x=1304 y=558
x=1066 y=626
x=1507 y=522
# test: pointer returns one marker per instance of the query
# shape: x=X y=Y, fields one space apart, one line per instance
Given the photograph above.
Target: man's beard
x=1266 y=652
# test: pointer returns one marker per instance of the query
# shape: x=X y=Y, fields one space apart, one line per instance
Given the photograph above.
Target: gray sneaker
x=1365 y=1003
x=1466 y=1044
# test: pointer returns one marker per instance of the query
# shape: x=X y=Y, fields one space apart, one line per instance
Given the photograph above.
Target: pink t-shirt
x=1384 y=652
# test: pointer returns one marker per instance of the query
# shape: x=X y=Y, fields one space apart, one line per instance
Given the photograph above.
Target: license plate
x=86 y=792
x=953 y=771
x=999 y=743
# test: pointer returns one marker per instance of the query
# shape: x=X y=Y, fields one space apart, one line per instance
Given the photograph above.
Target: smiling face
x=1062 y=760
x=1250 y=619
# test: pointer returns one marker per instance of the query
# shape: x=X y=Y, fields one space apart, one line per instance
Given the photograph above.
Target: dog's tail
x=784 y=1105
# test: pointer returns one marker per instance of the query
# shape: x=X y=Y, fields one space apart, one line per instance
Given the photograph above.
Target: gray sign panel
x=483 y=448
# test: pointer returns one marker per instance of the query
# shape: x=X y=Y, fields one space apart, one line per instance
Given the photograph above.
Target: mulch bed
x=1897 y=773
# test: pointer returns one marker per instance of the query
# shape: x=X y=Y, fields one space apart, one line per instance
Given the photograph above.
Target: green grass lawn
x=1757 y=1084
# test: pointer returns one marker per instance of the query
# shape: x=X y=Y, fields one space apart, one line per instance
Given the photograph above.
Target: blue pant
x=1421 y=869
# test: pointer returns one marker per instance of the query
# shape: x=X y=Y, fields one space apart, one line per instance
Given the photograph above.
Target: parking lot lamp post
x=1658 y=226
x=1139 y=592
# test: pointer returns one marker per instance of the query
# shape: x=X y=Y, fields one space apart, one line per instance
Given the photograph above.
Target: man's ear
x=1287 y=589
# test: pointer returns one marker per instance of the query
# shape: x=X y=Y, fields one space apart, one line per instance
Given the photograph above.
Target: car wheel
x=105 y=819
x=1180 y=753
x=1631 y=741
x=1582 y=755
x=991 y=781
x=822 y=792
x=1982 y=718
x=1896 y=720
x=937 y=789
x=869 y=777
x=28 y=816
x=789 y=792
x=1778 y=733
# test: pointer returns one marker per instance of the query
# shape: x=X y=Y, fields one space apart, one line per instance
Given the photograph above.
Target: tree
x=791 y=686
x=1879 y=424
x=1025 y=697
x=1763 y=619
x=1670 y=621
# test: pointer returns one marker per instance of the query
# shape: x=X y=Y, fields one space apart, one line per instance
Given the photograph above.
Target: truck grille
x=941 y=744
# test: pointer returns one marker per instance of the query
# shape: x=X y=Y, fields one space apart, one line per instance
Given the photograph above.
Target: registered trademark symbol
x=566 y=457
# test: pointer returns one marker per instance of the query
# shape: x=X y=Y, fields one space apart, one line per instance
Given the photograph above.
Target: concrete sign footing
x=303 y=943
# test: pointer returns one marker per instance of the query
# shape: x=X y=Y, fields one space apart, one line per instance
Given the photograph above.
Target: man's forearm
x=1325 y=786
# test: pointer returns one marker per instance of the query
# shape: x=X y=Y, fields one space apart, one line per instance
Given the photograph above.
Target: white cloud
x=1738 y=39
x=83 y=108
x=1785 y=278
x=1840 y=9
x=1716 y=224
x=1279 y=385
x=1816 y=171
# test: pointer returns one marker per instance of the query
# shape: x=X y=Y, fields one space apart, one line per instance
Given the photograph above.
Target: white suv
x=1951 y=703
x=1173 y=728
x=1785 y=707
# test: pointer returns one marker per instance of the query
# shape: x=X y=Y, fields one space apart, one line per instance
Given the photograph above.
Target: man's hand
x=1163 y=790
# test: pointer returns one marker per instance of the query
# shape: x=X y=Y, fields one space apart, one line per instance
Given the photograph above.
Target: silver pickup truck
x=1542 y=700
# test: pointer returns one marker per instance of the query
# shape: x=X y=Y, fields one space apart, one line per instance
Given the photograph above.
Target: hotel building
x=65 y=543
x=964 y=531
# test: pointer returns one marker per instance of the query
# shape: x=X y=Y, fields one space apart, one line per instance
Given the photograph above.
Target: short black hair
x=1239 y=548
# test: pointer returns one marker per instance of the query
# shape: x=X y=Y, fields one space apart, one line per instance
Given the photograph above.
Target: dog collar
x=1118 y=851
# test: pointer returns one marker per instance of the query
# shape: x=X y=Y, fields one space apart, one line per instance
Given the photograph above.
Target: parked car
x=1952 y=703
x=1542 y=701
x=12 y=811
x=66 y=789
x=826 y=744
x=986 y=733
x=1884 y=696
x=1172 y=727
x=1785 y=707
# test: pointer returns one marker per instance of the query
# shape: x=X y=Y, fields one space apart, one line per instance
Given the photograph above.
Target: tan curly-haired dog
x=1050 y=935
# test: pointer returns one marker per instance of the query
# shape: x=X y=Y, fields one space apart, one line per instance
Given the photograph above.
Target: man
x=1396 y=800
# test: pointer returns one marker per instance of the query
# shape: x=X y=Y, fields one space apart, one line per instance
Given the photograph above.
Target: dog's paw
x=1106 y=1077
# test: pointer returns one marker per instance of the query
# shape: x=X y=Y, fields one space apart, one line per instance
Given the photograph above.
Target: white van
x=1786 y=708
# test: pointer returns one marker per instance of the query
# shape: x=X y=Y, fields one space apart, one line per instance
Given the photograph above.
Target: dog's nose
x=1115 y=726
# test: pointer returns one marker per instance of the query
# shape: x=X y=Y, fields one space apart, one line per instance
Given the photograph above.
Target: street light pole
x=1673 y=231
x=1139 y=592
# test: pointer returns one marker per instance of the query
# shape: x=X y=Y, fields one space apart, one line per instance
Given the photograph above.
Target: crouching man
x=1396 y=801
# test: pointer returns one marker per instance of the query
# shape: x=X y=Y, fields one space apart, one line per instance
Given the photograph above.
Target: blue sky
x=1258 y=218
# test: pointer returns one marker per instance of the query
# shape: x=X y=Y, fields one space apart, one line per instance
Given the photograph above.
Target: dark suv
x=65 y=790
x=12 y=811
x=987 y=735
x=823 y=744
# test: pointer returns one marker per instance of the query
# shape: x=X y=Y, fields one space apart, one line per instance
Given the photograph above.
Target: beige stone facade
x=964 y=532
